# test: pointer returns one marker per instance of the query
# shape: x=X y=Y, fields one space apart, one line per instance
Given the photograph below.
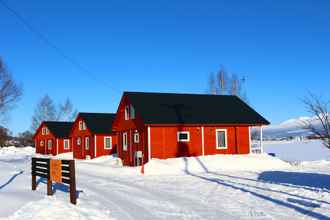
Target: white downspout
x=203 y=146
x=95 y=145
x=261 y=140
x=149 y=144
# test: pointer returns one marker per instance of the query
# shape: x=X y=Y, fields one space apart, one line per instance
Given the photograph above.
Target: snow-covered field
x=212 y=187
x=298 y=150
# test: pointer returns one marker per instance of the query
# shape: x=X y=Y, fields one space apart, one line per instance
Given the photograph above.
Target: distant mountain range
x=290 y=128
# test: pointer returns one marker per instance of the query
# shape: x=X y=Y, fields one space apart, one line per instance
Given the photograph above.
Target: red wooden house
x=52 y=137
x=92 y=135
x=165 y=125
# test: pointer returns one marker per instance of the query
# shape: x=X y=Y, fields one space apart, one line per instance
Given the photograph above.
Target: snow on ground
x=298 y=150
x=257 y=187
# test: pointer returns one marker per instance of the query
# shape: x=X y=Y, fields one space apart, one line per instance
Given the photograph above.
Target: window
x=66 y=144
x=126 y=112
x=107 y=142
x=50 y=144
x=80 y=125
x=44 y=131
x=87 y=143
x=221 y=138
x=132 y=111
x=84 y=126
x=125 y=141
x=78 y=140
x=41 y=143
x=183 y=136
x=136 y=137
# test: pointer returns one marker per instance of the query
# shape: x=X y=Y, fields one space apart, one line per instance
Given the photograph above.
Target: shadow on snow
x=314 y=180
x=59 y=186
x=11 y=179
x=241 y=186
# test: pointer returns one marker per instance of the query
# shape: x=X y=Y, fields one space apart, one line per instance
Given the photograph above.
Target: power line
x=60 y=52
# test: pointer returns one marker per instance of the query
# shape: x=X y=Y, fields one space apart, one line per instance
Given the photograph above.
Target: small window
x=132 y=111
x=44 y=131
x=183 y=136
x=107 y=143
x=125 y=141
x=221 y=139
x=41 y=143
x=47 y=131
x=78 y=140
x=126 y=112
x=50 y=144
x=66 y=144
x=87 y=143
x=80 y=125
x=84 y=126
x=136 y=137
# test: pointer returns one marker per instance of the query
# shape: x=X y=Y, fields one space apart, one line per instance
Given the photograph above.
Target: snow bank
x=15 y=153
x=213 y=163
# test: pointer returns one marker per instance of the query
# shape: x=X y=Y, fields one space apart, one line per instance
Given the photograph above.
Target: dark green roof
x=173 y=108
x=98 y=123
x=59 y=129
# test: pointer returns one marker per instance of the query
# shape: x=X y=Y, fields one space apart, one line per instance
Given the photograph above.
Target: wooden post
x=73 y=190
x=49 y=182
x=34 y=177
x=49 y=187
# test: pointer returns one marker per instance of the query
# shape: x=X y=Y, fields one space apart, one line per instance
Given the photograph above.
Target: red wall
x=44 y=149
x=80 y=152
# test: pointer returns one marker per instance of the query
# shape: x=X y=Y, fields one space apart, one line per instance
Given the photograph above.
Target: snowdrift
x=213 y=163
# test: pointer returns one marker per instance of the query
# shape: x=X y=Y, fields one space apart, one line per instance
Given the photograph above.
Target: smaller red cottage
x=92 y=135
x=167 y=125
x=52 y=137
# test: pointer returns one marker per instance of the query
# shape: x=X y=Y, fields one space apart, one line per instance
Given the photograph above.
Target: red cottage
x=52 y=137
x=92 y=135
x=165 y=125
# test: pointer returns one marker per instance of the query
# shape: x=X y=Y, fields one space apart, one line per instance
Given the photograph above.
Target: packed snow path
x=195 y=191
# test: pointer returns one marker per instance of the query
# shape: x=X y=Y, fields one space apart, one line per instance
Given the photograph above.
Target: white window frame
x=183 y=132
x=84 y=126
x=66 y=144
x=87 y=147
x=216 y=139
x=49 y=144
x=79 y=141
x=136 y=137
x=47 y=131
x=125 y=141
x=127 y=108
x=44 y=131
x=105 y=142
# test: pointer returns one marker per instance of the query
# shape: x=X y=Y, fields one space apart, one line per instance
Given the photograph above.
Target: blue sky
x=281 y=47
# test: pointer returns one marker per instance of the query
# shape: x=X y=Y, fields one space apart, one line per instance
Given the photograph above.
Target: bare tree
x=10 y=91
x=227 y=84
x=44 y=111
x=25 y=139
x=66 y=112
x=4 y=136
x=319 y=108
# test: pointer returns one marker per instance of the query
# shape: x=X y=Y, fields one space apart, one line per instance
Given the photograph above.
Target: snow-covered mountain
x=291 y=128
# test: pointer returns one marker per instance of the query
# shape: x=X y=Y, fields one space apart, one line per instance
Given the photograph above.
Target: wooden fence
x=60 y=171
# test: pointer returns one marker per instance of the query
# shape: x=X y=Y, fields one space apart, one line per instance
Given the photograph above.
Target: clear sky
x=281 y=47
